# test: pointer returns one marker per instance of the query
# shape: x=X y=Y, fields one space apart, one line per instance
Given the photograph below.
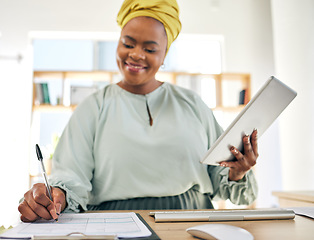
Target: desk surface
x=298 y=228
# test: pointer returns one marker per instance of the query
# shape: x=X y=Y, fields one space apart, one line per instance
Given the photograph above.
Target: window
x=195 y=54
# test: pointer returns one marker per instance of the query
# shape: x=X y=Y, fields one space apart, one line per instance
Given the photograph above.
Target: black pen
x=40 y=159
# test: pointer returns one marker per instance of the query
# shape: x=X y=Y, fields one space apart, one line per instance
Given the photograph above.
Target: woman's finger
x=248 y=151
x=27 y=214
x=37 y=200
x=241 y=164
x=254 y=138
x=39 y=209
x=247 y=145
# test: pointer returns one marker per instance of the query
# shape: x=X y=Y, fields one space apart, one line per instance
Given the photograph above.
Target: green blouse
x=110 y=151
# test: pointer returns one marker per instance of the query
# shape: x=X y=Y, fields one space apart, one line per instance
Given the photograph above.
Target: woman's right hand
x=37 y=204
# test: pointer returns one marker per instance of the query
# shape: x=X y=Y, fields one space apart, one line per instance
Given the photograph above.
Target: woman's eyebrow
x=151 y=42
x=129 y=37
x=146 y=42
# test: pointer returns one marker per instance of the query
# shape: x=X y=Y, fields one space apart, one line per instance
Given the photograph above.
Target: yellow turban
x=165 y=11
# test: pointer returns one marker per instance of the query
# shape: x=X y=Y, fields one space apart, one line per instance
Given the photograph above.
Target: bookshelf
x=225 y=95
x=61 y=78
x=243 y=81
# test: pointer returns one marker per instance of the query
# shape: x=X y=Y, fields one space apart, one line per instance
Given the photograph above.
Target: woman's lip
x=134 y=67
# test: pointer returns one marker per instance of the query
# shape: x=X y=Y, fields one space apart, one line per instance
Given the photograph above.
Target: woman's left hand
x=244 y=161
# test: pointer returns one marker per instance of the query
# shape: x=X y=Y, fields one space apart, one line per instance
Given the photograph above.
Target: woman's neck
x=140 y=89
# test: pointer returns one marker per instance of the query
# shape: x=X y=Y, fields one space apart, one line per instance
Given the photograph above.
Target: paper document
x=124 y=225
x=304 y=211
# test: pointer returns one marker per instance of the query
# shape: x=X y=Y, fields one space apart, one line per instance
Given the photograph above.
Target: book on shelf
x=42 y=93
x=45 y=93
x=243 y=97
x=39 y=99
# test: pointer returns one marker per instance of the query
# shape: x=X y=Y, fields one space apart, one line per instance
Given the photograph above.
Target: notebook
x=223 y=215
x=263 y=109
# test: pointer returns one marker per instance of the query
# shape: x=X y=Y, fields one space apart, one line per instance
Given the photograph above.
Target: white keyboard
x=222 y=215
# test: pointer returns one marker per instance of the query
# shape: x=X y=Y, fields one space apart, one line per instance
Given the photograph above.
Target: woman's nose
x=137 y=54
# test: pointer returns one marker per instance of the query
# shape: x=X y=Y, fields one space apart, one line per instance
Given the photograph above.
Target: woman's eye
x=127 y=45
x=150 y=50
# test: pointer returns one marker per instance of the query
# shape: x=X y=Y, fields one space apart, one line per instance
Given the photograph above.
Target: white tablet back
x=259 y=113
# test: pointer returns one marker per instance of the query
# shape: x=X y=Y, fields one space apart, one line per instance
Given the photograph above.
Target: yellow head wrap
x=165 y=11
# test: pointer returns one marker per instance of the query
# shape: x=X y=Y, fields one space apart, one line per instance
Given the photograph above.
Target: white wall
x=247 y=28
x=293 y=23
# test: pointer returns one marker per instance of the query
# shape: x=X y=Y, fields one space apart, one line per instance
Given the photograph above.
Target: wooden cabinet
x=288 y=199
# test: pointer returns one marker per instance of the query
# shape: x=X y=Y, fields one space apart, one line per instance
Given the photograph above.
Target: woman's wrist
x=236 y=176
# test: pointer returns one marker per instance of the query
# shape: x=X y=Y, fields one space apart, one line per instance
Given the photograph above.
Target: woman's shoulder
x=188 y=96
x=182 y=92
x=104 y=93
x=95 y=101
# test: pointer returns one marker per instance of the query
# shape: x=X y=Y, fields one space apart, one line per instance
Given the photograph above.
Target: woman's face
x=140 y=53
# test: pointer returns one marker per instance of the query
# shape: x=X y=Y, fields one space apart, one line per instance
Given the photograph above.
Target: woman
x=137 y=144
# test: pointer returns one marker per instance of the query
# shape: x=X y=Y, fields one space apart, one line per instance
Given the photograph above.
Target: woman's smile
x=135 y=67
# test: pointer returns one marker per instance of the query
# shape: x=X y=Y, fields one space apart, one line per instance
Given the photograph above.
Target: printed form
x=124 y=225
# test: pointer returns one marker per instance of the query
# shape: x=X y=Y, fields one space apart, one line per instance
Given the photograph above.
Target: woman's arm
x=235 y=180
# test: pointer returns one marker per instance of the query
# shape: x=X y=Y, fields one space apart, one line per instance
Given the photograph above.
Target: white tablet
x=266 y=105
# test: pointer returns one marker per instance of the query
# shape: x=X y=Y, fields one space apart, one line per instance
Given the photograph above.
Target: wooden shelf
x=92 y=75
x=53 y=108
x=108 y=76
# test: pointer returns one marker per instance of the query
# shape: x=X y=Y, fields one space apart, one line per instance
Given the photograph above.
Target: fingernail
x=255 y=130
x=58 y=208
x=54 y=214
x=247 y=138
x=233 y=149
